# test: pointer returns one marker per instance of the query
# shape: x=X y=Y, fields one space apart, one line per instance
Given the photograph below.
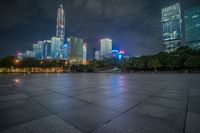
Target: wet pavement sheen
x=100 y=103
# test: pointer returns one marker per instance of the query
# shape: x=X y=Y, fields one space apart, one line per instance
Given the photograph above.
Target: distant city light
x=113 y=51
x=120 y=56
x=65 y=46
x=122 y=52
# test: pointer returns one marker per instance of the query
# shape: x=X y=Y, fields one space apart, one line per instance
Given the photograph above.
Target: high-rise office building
x=192 y=27
x=47 y=49
x=98 y=55
x=38 y=50
x=55 y=47
x=20 y=55
x=84 y=53
x=93 y=52
x=65 y=51
x=75 y=50
x=106 y=48
x=60 y=28
x=172 y=33
x=29 y=54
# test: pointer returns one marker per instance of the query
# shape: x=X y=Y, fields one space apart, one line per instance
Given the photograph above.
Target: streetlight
x=17 y=61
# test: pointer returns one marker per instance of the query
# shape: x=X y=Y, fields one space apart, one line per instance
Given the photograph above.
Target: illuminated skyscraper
x=106 y=48
x=84 y=53
x=38 y=49
x=29 y=54
x=97 y=55
x=20 y=55
x=192 y=27
x=60 y=32
x=47 y=49
x=75 y=50
x=65 y=51
x=55 y=47
x=172 y=34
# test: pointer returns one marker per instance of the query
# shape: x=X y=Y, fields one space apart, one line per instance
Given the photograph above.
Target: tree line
x=183 y=59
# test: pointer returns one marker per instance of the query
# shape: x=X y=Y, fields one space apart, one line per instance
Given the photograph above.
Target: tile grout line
x=188 y=98
x=131 y=108
x=52 y=113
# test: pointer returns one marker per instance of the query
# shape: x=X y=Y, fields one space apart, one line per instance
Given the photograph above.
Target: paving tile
x=167 y=102
x=38 y=93
x=93 y=89
x=132 y=96
x=195 y=92
x=127 y=124
x=95 y=102
x=59 y=106
x=21 y=115
x=118 y=104
x=73 y=93
x=195 y=99
x=194 y=107
x=92 y=98
x=16 y=103
x=12 y=97
x=88 y=118
x=50 y=124
x=49 y=98
x=192 y=123
x=8 y=91
x=174 y=118
x=169 y=90
x=172 y=95
x=110 y=92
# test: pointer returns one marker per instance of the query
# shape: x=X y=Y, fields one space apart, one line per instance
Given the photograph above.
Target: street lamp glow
x=16 y=61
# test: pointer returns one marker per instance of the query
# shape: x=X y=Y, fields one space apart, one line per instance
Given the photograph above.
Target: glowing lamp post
x=16 y=61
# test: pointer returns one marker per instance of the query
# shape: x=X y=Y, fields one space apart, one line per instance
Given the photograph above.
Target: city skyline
x=133 y=43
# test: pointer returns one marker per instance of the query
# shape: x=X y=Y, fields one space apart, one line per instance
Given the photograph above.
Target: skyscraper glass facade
x=106 y=48
x=97 y=55
x=172 y=33
x=60 y=32
x=75 y=50
x=65 y=51
x=84 y=53
x=47 y=49
x=38 y=50
x=192 y=27
x=55 y=47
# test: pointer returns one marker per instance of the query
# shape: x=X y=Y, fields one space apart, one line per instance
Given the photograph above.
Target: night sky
x=133 y=25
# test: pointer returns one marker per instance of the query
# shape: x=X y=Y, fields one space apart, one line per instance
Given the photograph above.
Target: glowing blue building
x=38 y=49
x=47 y=49
x=118 y=54
x=172 y=33
x=56 y=43
x=192 y=27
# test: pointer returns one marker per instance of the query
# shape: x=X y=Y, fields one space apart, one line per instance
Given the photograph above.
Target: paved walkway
x=100 y=103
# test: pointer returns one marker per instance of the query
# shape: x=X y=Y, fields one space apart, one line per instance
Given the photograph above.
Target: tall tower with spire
x=60 y=28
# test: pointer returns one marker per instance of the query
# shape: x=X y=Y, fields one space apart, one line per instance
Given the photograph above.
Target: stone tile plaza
x=99 y=103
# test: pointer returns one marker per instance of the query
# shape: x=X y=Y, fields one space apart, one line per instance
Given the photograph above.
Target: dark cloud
x=134 y=25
